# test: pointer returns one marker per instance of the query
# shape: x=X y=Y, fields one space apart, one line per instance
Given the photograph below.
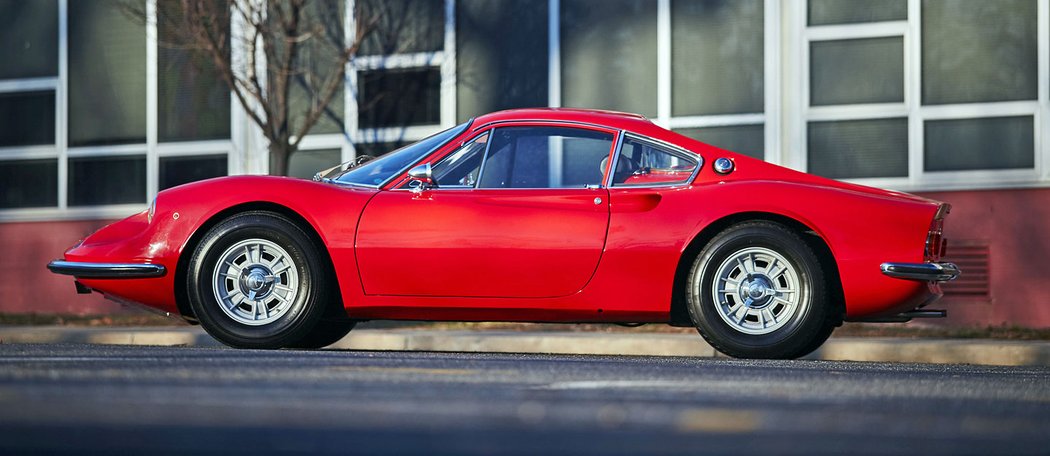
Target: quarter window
x=645 y=163
x=462 y=167
x=545 y=157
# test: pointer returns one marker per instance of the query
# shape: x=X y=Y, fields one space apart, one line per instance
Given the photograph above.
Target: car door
x=517 y=211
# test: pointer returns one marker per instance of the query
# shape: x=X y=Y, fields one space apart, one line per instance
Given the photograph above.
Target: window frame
x=462 y=144
x=400 y=183
x=769 y=118
x=556 y=165
x=444 y=60
x=152 y=149
x=663 y=147
x=912 y=109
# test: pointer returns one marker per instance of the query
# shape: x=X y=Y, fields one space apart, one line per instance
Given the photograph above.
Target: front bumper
x=929 y=272
x=106 y=270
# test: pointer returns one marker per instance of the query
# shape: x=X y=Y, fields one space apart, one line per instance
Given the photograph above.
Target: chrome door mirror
x=421 y=178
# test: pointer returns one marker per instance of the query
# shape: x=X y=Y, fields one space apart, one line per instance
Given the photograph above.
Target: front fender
x=182 y=212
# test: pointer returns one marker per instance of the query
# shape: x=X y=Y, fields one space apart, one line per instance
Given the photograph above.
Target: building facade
x=944 y=98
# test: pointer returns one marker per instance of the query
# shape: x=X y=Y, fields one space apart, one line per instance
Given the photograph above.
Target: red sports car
x=539 y=215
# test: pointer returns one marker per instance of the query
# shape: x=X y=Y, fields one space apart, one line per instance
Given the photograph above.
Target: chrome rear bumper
x=930 y=272
x=106 y=270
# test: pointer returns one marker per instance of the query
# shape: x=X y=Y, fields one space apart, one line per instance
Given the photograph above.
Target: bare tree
x=292 y=60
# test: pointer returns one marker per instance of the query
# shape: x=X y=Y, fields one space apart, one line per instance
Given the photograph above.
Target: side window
x=462 y=167
x=545 y=157
x=645 y=163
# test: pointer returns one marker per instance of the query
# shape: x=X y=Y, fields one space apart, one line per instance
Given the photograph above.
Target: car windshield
x=376 y=172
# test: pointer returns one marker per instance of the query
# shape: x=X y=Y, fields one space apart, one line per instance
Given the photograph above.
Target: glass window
x=376 y=172
x=107 y=75
x=193 y=102
x=859 y=148
x=545 y=157
x=462 y=167
x=869 y=70
x=306 y=163
x=376 y=149
x=823 y=12
x=107 y=180
x=977 y=51
x=183 y=170
x=749 y=140
x=608 y=55
x=501 y=56
x=399 y=98
x=320 y=45
x=644 y=163
x=28 y=183
x=28 y=118
x=989 y=143
x=718 y=57
x=28 y=38
x=402 y=26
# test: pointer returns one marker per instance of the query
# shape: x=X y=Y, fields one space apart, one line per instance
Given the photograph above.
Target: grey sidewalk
x=969 y=351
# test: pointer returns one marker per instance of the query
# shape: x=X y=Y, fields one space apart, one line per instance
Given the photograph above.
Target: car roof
x=614 y=119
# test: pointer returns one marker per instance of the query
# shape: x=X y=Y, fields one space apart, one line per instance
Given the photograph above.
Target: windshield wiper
x=330 y=174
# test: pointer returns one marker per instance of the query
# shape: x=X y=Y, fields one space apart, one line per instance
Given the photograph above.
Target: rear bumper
x=929 y=272
x=933 y=273
x=106 y=270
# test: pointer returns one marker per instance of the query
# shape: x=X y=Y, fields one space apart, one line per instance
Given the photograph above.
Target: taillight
x=936 y=245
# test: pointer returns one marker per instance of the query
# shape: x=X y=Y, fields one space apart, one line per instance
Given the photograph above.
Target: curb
x=938 y=351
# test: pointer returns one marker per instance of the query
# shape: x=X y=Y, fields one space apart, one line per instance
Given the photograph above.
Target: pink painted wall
x=1014 y=223
x=1016 y=226
x=25 y=283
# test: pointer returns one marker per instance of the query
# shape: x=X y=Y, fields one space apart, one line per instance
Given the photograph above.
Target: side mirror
x=421 y=178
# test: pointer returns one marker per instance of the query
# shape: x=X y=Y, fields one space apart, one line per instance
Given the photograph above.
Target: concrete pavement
x=946 y=351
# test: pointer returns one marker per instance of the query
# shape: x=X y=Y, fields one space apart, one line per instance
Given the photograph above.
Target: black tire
x=299 y=315
x=798 y=332
x=327 y=332
x=819 y=339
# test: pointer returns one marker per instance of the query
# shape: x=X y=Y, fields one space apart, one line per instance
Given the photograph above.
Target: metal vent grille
x=972 y=258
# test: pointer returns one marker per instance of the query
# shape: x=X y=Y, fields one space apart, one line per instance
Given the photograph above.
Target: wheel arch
x=181 y=268
x=679 y=312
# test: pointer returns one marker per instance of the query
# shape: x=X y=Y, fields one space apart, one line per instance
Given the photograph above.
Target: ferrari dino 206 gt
x=538 y=215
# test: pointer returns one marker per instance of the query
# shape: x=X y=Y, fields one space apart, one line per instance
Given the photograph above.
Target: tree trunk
x=279 y=155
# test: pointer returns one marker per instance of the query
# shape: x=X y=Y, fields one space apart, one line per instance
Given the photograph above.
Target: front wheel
x=757 y=290
x=257 y=281
x=327 y=332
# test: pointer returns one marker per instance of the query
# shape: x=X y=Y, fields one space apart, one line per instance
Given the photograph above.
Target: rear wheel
x=256 y=281
x=757 y=291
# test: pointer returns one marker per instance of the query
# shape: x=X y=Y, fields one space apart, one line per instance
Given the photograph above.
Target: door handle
x=634 y=201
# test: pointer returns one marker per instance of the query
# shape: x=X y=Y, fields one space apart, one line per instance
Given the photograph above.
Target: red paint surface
x=1016 y=226
x=482 y=243
x=514 y=254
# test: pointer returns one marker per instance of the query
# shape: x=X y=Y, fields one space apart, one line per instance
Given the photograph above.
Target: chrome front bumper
x=106 y=270
x=929 y=272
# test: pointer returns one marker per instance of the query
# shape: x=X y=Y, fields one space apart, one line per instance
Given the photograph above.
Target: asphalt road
x=157 y=400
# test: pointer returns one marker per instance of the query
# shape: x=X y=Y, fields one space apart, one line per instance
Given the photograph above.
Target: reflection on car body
x=555 y=215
